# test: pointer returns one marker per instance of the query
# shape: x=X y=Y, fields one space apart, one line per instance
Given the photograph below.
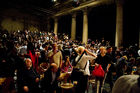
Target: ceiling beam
x=91 y=3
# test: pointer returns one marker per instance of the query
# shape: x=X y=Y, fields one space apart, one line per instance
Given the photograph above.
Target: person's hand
x=96 y=64
x=25 y=88
x=90 y=53
x=106 y=70
x=86 y=50
x=38 y=53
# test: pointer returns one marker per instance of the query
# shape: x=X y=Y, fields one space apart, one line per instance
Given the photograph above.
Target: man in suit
x=29 y=79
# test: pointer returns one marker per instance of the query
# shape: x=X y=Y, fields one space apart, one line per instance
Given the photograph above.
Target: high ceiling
x=41 y=7
x=28 y=3
x=34 y=7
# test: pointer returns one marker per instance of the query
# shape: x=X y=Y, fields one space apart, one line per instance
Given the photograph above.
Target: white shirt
x=139 y=52
x=86 y=71
x=82 y=62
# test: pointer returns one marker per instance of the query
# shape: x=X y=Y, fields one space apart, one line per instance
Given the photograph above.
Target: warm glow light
x=53 y=0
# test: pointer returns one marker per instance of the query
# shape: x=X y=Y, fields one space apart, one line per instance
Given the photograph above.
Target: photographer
x=83 y=64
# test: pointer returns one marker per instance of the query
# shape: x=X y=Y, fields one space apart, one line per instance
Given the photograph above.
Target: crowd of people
x=32 y=62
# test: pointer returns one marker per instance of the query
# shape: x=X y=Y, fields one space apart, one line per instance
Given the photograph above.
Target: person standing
x=50 y=82
x=103 y=60
x=121 y=66
x=112 y=68
x=83 y=65
x=55 y=55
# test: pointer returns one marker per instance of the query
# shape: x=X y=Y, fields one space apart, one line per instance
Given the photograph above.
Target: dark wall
x=64 y=25
x=102 y=20
x=131 y=22
x=12 y=19
x=79 y=25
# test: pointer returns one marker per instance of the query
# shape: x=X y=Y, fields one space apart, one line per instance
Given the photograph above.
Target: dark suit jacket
x=28 y=78
x=46 y=82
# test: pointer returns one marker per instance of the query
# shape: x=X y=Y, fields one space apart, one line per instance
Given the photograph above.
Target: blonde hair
x=80 y=49
x=103 y=49
x=125 y=57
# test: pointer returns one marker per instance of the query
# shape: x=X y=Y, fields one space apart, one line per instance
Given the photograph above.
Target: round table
x=67 y=87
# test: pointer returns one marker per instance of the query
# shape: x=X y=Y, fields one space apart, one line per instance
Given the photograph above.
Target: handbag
x=98 y=71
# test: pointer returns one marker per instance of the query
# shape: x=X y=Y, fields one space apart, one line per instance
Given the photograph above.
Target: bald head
x=54 y=67
x=28 y=63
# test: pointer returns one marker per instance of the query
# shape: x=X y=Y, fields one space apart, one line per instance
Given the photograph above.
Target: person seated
x=30 y=79
x=50 y=80
x=66 y=66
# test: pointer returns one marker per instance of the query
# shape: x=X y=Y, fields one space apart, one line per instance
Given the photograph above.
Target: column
x=73 y=27
x=119 y=24
x=85 y=27
x=55 y=25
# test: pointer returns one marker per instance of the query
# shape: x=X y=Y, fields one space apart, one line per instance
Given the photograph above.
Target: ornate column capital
x=55 y=19
x=119 y=2
x=73 y=14
x=85 y=10
x=48 y=18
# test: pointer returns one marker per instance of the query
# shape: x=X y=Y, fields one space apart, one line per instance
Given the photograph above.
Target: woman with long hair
x=66 y=66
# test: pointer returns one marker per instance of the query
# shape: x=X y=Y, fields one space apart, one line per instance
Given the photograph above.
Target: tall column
x=119 y=24
x=85 y=27
x=73 y=27
x=55 y=25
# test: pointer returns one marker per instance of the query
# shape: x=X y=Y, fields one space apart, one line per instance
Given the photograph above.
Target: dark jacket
x=47 y=84
x=29 y=79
